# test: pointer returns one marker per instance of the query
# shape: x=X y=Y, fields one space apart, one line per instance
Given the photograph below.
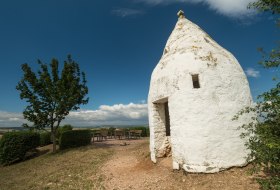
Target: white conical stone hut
x=196 y=89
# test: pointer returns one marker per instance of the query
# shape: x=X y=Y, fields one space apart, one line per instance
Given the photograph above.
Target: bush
x=111 y=131
x=45 y=138
x=15 y=145
x=74 y=138
x=145 y=131
x=264 y=132
x=62 y=129
x=67 y=128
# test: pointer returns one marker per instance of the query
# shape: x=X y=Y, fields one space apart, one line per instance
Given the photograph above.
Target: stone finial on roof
x=181 y=14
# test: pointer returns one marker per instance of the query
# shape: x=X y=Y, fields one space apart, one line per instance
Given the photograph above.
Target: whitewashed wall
x=203 y=136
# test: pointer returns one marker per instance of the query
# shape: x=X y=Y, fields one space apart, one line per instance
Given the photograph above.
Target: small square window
x=195 y=80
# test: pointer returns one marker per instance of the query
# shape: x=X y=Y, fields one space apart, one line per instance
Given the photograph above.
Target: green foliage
x=62 y=129
x=145 y=131
x=266 y=5
x=51 y=95
x=111 y=131
x=270 y=59
x=67 y=127
x=263 y=141
x=15 y=145
x=45 y=138
x=74 y=138
x=263 y=133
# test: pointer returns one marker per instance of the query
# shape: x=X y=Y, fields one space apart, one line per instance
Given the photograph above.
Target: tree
x=272 y=6
x=263 y=133
x=51 y=96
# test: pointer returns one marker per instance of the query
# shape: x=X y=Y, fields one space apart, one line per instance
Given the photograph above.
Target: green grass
x=77 y=168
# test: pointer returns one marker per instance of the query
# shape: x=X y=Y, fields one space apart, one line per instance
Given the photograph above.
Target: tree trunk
x=54 y=141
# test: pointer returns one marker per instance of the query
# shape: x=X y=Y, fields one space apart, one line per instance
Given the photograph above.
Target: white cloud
x=119 y=114
x=232 y=8
x=142 y=101
x=251 y=72
x=125 y=12
x=14 y=119
x=10 y=119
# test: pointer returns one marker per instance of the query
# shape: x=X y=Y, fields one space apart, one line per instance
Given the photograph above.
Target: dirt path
x=131 y=168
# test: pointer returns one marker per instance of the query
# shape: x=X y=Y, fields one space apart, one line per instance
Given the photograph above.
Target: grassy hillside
x=70 y=169
x=111 y=165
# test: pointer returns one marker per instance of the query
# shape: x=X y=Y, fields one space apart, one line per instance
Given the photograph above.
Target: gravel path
x=131 y=168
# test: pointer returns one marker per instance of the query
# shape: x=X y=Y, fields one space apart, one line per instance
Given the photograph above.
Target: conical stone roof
x=191 y=50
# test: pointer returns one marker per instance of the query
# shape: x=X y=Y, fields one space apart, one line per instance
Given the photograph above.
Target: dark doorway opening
x=167 y=119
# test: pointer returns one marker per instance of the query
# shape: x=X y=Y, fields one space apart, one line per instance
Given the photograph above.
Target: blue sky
x=118 y=43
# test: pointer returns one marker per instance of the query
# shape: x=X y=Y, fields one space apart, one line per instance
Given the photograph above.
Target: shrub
x=264 y=133
x=62 y=129
x=45 y=138
x=111 y=131
x=14 y=145
x=74 y=138
x=67 y=127
x=145 y=131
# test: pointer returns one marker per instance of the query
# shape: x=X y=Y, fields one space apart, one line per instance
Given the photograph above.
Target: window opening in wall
x=195 y=80
x=167 y=119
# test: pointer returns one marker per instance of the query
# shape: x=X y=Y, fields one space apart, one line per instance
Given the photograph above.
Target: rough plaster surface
x=203 y=136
